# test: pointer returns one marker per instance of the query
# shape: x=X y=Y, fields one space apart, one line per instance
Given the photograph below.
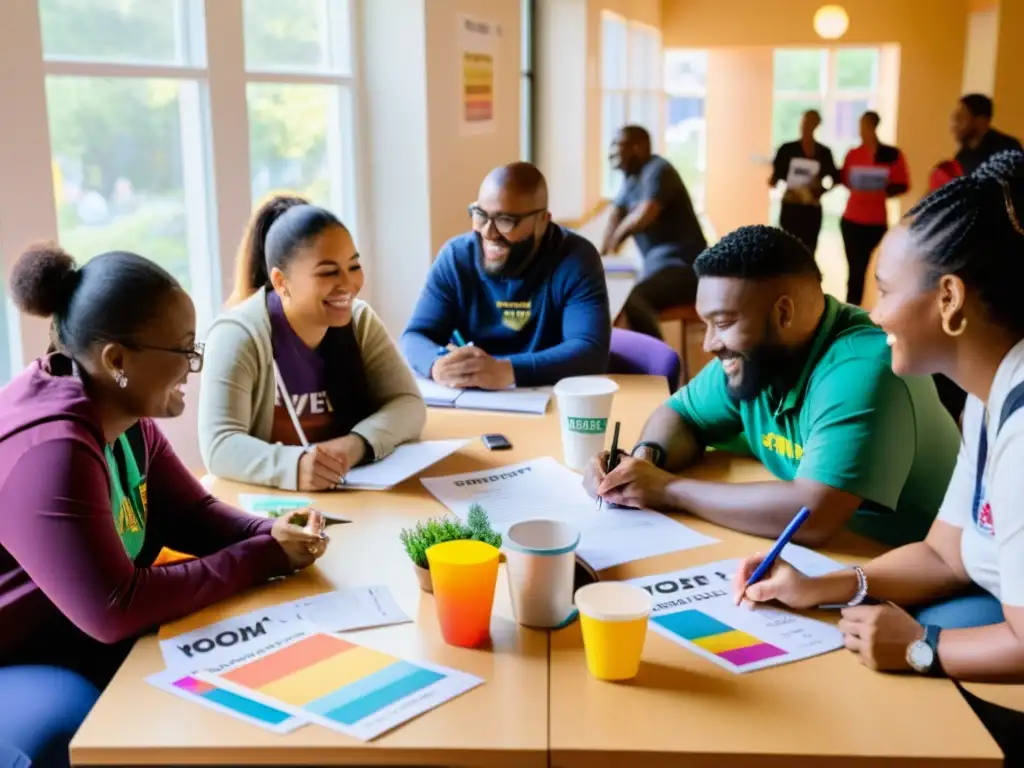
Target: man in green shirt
x=807 y=380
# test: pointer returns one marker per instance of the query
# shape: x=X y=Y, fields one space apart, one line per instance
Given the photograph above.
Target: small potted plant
x=421 y=537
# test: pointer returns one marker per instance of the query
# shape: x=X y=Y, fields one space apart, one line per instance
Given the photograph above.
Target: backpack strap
x=1014 y=402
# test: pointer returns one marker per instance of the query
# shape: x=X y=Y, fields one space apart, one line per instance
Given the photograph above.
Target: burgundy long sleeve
x=57 y=525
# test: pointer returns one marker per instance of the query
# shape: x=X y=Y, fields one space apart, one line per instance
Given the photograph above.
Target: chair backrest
x=633 y=352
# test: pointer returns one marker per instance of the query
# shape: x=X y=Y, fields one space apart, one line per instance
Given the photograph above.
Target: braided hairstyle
x=973 y=227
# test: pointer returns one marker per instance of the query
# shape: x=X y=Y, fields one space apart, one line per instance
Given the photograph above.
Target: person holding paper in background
x=527 y=296
x=873 y=172
x=807 y=379
x=804 y=165
x=90 y=493
x=949 y=282
x=299 y=337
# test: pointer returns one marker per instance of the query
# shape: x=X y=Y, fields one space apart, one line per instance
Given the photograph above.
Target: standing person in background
x=654 y=208
x=804 y=165
x=303 y=381
x=873 y=172
x=972 y=127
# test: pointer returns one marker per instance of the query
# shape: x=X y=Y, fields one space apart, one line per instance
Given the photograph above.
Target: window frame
x=217 y=131
x=624 y=85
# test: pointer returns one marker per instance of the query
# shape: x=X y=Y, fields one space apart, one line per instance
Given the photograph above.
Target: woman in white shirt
x=950 y=297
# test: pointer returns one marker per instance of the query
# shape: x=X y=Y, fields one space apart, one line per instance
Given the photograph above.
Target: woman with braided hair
x=949 y=297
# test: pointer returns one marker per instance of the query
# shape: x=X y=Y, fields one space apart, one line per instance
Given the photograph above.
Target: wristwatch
x=658 y=454
x=923 y=655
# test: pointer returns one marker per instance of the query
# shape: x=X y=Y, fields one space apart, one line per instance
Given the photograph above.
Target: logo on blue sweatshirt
x=514 y=314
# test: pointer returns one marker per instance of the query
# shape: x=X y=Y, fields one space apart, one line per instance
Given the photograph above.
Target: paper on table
x=545 y=488
x=275 y=505
x=337 y=611
x=406 y=460
x=695 y=608
x=809 y=562
x=514 y=400
x=183 y=680
x=352 y=688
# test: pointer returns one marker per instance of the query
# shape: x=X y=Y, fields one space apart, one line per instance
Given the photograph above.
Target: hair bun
x=43 y=280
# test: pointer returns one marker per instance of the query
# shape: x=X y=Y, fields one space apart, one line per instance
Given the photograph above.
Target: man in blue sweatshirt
x=528 y=296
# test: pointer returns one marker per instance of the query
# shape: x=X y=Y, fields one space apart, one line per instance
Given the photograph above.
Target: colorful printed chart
x=227 y=702
x=696 y=609
x=733 y=645
x=325 y=679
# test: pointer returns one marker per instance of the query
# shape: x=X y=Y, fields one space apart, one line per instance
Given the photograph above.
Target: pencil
x=613 y=458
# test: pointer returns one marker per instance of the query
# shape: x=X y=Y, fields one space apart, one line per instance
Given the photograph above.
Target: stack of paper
x=515 y=400
x=283 y=667
x=544 y=488
x=406 y=460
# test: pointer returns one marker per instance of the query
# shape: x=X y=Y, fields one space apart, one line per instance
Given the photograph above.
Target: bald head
x=519 y=180
x=511 y=216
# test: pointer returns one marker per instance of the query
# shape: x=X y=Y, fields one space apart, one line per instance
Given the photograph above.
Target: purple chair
x=633 y=352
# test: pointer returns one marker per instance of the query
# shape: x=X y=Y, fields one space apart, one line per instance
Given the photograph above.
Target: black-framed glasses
x=194 y=355
x=503 y=222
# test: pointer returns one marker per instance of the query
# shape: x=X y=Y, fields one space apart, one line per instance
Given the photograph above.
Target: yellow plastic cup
x=613 y=618
x=464 y=574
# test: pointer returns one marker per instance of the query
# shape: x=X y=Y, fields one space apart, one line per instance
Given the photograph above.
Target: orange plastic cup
x=464 y=574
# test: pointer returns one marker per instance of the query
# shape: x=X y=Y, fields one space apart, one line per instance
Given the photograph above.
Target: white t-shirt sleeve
x=956 y=504
x=1007 y=499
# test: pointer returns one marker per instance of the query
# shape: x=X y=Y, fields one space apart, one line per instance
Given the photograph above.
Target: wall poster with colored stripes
x=695 y=608
x=325 y=679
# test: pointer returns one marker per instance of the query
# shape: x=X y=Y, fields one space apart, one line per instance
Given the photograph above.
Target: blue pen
x=766 y=564
x=457 y=338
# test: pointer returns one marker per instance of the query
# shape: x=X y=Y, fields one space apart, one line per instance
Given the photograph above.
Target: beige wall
x=420 y=172
x=980 y=53
x=736 y=188
x=459 y=163
x=1009 y=100
x=930 y=34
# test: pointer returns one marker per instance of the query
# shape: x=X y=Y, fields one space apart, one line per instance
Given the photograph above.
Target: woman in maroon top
x=90 y=492
x=873 y=172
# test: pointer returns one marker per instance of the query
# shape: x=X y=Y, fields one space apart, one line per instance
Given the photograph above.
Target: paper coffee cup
x=613 y=618
x=540 y=557
x=584 y=405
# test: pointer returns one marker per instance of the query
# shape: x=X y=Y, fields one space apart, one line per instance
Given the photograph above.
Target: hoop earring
x=959 y=330
x=121 y=379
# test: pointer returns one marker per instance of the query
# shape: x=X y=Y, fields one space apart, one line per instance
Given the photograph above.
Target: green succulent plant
x=422 y=536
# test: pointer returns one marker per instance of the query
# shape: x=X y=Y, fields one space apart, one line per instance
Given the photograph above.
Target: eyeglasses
x=194 y=355
x=503 y=222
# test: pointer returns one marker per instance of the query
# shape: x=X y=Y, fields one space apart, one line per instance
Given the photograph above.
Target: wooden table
x=684 y=710
x=679 y=709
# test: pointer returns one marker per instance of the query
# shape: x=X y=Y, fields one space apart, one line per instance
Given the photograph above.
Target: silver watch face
x=920 y=656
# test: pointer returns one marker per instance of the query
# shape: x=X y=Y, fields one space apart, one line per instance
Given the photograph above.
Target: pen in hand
x=766 y=565
x=613 y=459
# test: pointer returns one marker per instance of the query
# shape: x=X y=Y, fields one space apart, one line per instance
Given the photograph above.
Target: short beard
x=767 y=363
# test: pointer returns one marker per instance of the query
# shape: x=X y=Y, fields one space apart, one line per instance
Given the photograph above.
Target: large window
x=842 y=84
x=686 y=90
x=123 y=82
x=631 y=90
x=167 y=120
x=299 y=96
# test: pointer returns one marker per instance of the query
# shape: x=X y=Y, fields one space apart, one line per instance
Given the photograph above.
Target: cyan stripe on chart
x=374 y=702
x=363 y=687
x=244 y=706
x=692 y=625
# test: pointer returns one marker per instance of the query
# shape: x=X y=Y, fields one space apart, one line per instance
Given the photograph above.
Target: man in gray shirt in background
x=654 y=208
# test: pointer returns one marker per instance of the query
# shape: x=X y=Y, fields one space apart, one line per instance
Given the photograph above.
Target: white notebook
x=516 y=400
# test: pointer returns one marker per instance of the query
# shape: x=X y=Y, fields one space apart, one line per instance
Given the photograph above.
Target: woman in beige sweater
x=302 y=381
